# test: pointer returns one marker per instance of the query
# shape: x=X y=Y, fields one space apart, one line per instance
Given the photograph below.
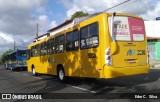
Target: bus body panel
x=129 y=33
x=16 y=59
x=90 y=59
x=91 y=62
x=111 y=72
x=130 y=55
x=51 y=69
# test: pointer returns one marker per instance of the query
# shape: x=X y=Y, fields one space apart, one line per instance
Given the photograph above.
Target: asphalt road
x=19 y=82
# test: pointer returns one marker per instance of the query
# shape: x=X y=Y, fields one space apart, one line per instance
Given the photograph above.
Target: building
x=41 y=37
x=69 y=23
x=153 y=37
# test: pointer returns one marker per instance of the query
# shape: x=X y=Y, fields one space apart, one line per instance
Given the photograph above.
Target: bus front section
x=127 y=52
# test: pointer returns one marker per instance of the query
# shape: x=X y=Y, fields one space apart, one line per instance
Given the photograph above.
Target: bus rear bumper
x=110 y=72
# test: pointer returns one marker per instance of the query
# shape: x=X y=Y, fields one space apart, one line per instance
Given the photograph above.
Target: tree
x=4 y=54
x=79 y=14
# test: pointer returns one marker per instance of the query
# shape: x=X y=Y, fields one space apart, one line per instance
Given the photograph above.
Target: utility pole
x=37 y=28
x=14 y=45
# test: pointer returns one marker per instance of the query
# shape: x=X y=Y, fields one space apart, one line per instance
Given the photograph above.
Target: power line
x=37 y=30
x=116 y=5
x=121 y=6
x=125 y=5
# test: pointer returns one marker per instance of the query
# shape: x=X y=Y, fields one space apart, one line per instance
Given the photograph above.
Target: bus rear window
x=127 y=28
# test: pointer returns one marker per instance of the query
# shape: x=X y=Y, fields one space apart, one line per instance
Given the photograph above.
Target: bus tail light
x=108 y=57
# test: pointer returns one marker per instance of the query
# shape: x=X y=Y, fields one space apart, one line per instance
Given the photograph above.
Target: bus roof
x=19 y=51
x=76 y=22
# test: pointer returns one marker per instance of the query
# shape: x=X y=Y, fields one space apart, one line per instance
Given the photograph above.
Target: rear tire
x=34 y=72
x=12 y=69
x=61 y=74
x=6 y=66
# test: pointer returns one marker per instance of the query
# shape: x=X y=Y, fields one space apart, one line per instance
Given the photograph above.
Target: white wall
x=152 y=28
x=62 y=28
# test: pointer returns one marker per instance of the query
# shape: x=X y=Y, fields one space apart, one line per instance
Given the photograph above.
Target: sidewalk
x=154 y=64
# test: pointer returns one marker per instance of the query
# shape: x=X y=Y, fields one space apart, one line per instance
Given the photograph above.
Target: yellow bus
x=106 y=45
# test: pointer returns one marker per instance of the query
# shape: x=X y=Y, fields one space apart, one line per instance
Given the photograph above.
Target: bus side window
x=56 y=44
x=59 y=44
x=75 y=40
x=43 y=48
x=28 y=54
x=72 y=41
x=69 y=41
x=93 y=35
x=62 y=42
x=83 y=36
x=89 y=36
x=48 y=46
x=32 y=51
x=36 y=52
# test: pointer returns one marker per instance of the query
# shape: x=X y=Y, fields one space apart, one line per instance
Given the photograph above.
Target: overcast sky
x=18 y=18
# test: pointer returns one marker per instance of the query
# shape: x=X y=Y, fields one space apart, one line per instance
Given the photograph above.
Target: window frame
x=32 y=51
x=50 y=45
x=36 y=48
x=89 y=37
x=43 y=46
x=28 y=54
x=59 y=43
x=72 y=41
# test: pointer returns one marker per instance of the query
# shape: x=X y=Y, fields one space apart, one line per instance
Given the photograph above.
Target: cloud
x=18 y=18
x=6 y=38
x=43 y=17
x=73 y=10
x=154 y=12
x=45 y=24
x=53 y=24
x=148 y=9
x=16 y=14
x=18 y=21
x=90 y=6
x=67 y=3
x=7 y=42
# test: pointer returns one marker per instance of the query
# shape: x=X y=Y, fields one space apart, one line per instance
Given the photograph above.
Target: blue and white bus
x=16 y=60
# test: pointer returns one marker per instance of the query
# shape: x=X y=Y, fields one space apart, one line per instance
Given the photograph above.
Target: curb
x=157 y=66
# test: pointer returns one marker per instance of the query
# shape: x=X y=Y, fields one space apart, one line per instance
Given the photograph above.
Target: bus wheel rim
x=33 y=71
x=61 y=75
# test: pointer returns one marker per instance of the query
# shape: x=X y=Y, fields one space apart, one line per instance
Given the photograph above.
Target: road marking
x=38 y=78
x=17 y=72
x=25 y=74
x=51 y=86
x=80 y=88
x=146 y=78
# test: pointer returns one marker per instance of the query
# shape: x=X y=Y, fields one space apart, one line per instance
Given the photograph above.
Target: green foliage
x=4 y=54
x=0 y=60
x=78 y=14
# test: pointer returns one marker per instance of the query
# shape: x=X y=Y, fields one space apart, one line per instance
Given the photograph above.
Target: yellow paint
x=113 y=47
